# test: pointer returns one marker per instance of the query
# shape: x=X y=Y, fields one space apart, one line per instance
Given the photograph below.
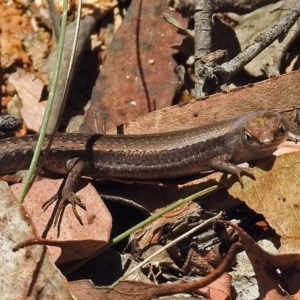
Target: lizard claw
x=65 y=197
x=221 y=164
x=75 y=200
x=239 y=171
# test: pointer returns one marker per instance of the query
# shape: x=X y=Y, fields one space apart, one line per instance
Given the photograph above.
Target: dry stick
x=225 y=71
x=273 y=70
x=203 y=24
x=178 y=239
x=171 y=289
x=187 y=7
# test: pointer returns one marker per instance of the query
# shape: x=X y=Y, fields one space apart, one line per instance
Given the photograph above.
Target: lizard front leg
x=66 y=192
x=222 y=164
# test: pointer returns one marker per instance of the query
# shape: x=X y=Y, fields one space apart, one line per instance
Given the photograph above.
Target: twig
x=203 y=24
x=187 y=7
x=171 y=289
x=225 y=71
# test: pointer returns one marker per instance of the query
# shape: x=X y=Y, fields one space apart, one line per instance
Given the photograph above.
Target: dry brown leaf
x=151 y=233
x=125 y=290
x=277 y=275
x=29 y=89
x=138 y=74
x=28 y=273
x=263 y=95
x=79 y=241
x=275 y=194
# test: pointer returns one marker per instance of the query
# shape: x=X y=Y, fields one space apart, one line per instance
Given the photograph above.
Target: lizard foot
x=73 y=199
x=239 y=171
x=64 y=198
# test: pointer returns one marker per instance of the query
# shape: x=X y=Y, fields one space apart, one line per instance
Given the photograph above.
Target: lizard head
x=265 y=130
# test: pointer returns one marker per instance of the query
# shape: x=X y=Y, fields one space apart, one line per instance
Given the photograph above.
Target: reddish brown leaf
x=264 y=95
x=80 y=241
x=277 y=275
x=138 y=74
x=29 y=89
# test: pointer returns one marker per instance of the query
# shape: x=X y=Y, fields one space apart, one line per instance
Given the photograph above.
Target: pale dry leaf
x=220 y=289
x=79 y=241
x=275 y=194
x=28 y=273
x=29 y=89
x=161 y=259
x=89 y=6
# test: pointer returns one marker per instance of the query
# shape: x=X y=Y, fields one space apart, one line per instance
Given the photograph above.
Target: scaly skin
x=220 y=146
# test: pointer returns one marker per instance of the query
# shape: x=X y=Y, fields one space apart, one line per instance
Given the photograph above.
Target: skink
x=220 y=146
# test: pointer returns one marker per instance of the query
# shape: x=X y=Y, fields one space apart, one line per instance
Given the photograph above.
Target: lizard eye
x=248 y=137
x=281 y=128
